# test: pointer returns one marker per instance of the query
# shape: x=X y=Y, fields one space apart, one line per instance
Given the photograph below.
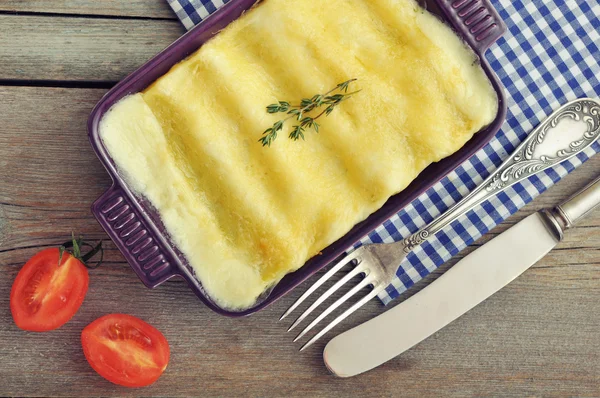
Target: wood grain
x=79 y=49
x=538 y=336
x=128 y=8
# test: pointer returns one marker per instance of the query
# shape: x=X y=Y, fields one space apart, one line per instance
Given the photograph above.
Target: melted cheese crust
x=244 y=215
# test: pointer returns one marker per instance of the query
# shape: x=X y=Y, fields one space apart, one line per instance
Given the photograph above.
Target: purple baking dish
x=136 y=229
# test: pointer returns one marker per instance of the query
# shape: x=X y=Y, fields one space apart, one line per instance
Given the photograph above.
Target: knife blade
x=473 y=279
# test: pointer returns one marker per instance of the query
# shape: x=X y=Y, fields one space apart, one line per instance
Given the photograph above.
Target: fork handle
x=565 y=133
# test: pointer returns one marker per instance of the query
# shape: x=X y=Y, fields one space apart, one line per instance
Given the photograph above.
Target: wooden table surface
x=538 y=336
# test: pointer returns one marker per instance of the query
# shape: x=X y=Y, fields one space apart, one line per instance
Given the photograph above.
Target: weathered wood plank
x=129 y=8
x=78 y=49
x=538 y=336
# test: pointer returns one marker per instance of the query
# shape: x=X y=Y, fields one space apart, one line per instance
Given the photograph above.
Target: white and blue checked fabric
x=191 y=12
x=550 y=55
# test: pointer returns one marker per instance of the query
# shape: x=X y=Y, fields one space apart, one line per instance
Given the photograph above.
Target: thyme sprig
x=301 y=112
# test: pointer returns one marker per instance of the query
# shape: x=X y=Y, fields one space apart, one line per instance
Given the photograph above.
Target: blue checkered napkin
x=549 y=55
x=190 y=12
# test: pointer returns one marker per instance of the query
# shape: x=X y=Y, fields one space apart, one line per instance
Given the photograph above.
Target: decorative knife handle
x=578 y=125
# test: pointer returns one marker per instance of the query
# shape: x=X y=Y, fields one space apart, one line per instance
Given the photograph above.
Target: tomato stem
x=98 y=248
x=77 y=244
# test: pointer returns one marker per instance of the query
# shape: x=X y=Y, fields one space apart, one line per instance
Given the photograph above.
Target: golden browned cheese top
x=244 y=215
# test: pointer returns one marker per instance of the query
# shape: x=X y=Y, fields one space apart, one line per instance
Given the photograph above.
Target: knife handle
x=579 y=205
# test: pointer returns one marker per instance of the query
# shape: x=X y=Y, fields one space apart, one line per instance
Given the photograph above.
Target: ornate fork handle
x=578 y=125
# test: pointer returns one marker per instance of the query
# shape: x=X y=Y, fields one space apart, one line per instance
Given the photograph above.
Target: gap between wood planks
x=120 y=8
x=86 y=16
x=56 y=83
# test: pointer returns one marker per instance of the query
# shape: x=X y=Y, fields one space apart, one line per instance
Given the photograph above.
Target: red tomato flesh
x=125 y=350
x=44 y=295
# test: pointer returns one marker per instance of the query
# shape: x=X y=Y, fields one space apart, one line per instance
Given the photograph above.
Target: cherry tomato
x=46 y=295
x=125 y=350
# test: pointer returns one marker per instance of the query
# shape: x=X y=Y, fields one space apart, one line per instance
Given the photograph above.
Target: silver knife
x=473 y=279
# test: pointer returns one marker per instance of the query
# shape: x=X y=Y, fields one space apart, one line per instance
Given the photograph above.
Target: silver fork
x=545 y=147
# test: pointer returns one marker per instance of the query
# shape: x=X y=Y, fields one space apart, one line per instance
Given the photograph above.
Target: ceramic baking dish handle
x=134 y=238
x=477 y=21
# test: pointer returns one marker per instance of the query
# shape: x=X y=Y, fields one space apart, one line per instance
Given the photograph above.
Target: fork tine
x=340 y=318
x=321 y=280
x=336 y=304
x=361 y=267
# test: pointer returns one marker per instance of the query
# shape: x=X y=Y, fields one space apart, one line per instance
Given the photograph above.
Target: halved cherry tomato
x=125 y=350
x=44 y=295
